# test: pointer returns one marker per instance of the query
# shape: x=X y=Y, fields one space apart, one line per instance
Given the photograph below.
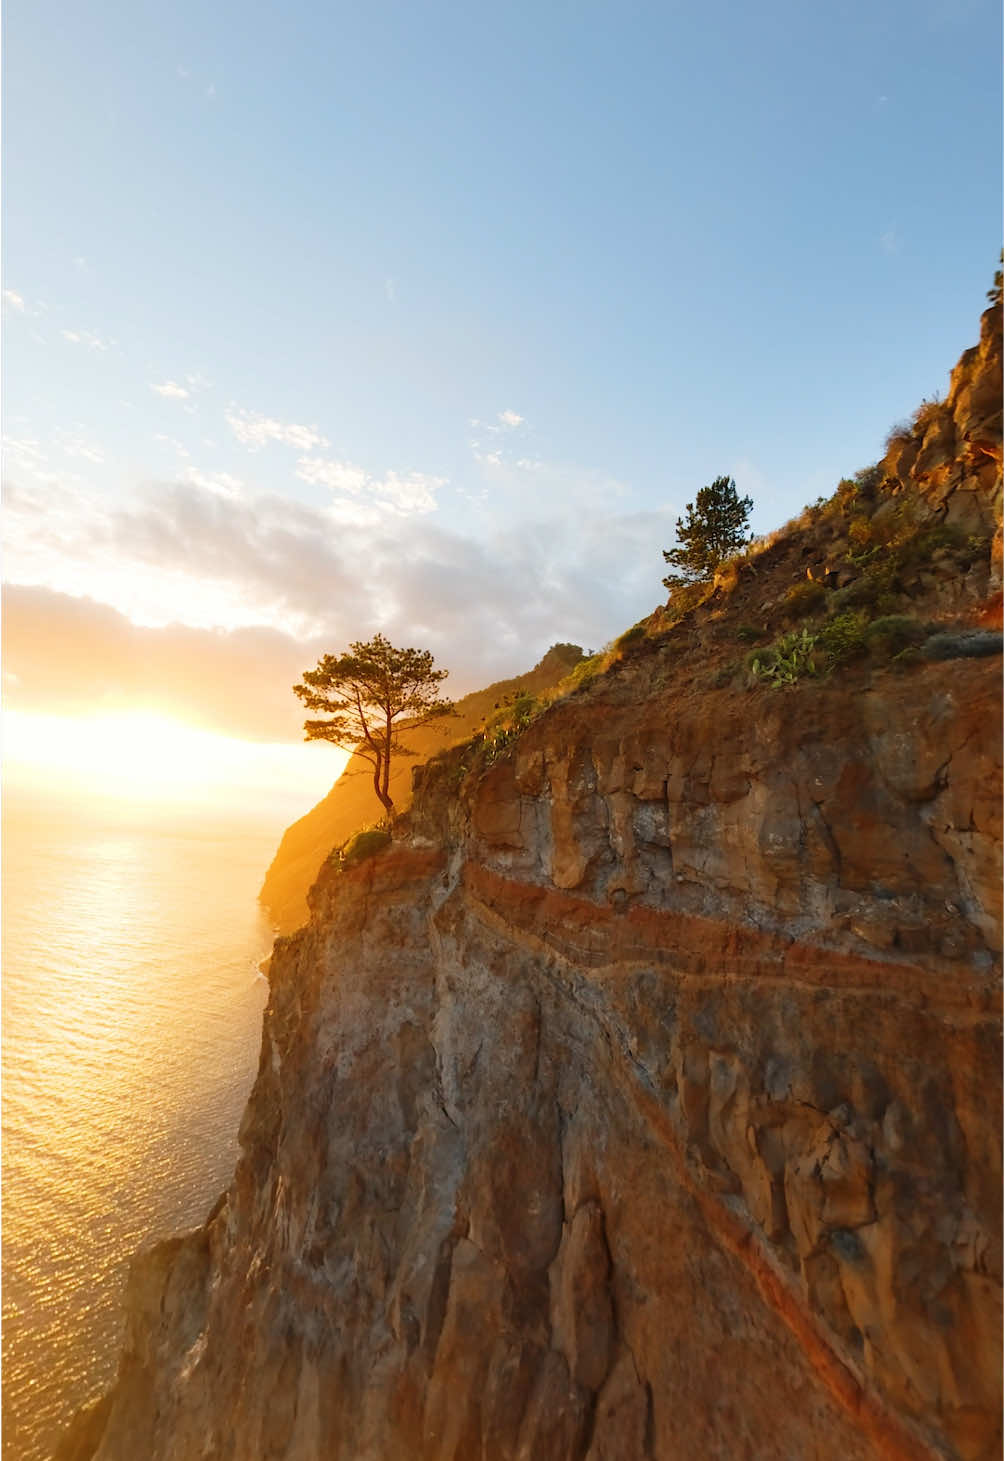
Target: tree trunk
x=380 y=785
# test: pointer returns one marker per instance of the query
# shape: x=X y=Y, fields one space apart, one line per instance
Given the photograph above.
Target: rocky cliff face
x=641 y=1100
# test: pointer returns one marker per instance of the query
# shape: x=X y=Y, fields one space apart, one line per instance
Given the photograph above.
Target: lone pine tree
x=714 y=528
x=365 y=694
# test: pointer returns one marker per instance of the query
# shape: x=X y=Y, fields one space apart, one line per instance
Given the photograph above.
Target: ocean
x=132 y=1006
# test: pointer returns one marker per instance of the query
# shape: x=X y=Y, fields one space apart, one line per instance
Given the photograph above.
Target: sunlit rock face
x=641 y=1100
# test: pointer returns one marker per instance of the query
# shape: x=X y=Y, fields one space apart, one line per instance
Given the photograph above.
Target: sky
x=430 y=319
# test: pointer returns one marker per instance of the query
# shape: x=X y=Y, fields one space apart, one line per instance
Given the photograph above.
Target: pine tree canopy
x=714 y=527
x=364 y=694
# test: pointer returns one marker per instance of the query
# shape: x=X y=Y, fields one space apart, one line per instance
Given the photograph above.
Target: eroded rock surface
x=635 y=1104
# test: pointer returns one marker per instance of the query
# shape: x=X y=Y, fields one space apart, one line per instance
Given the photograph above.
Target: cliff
x=641 y=1099
x=352 y=804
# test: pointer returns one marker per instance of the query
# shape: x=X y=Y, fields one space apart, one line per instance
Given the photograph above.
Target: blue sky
x=430 y=318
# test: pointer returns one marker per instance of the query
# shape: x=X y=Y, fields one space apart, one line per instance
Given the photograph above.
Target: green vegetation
x=889 y=636
x=804 y=599
x=362 y=845
x=789 y=659
x=715 y=527
x=631 y=636
x=683 y=598
x=365 y=693
x=809 y=653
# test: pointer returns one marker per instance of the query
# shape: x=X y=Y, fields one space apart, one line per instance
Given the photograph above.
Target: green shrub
x=898 y=435
x=843 y=637
x=930 y=409
x=512 y=719
x=847 y=494
x=748 y=634
x=365 y=843
x=685 y=598
x=631 y=636
x=860 y=534
x=805 y=653
x=789 y=659
x=585 y=671
x=893 y=633
x=804 y=599
x=872 y=590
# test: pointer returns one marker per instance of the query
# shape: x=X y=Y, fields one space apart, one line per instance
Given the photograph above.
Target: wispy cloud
x=222 y=483
x=90 y=338
x=211 y=91
x=505 y=421
x=14 y=300
x=488 y=446
x=171 y=390
x=338 y=476
x=23 y=450
x=255 y=431
x=889 y=242
x=391 y=290
x=182 y=450
x=407 y=493
x=79 y=446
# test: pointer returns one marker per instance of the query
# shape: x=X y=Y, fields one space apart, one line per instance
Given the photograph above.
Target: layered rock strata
x=634 y=1103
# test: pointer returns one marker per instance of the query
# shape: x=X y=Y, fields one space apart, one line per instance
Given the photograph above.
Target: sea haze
x=132 y=1007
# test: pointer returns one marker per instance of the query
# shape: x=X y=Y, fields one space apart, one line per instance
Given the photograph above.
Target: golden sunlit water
x=131 y=1023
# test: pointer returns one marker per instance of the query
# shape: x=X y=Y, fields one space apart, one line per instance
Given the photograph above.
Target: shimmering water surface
x=132 y=1010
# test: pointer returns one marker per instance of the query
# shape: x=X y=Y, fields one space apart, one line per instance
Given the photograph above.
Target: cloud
x=391 y=290
x=87 y=337
x=211 y=91
x=219 y=482
x=23 y=449
x=14 y=299
x=339 y=476
x=254 y=431
x=66 y=655
x=889 y=242
x=488 y=446
x=79 y=446
x=414 y=492
x=171 y=391
x=486 y=607
x=178 y=446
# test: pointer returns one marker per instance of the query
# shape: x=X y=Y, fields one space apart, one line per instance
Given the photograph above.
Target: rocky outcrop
x=952 y=451
x=640 y=1101
x=352 y=804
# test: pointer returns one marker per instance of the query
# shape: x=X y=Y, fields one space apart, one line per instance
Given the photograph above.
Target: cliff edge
x=641 y=1099
x=352 y=803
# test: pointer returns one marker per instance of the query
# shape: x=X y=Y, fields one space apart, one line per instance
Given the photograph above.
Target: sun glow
x=139 y=756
